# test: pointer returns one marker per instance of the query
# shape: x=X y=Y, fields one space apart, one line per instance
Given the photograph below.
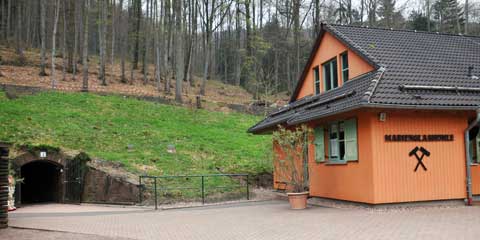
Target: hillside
x=137 y=133
x=26 y=73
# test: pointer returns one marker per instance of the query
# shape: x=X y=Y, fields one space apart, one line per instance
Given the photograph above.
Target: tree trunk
x=85 y=48
x=102 y=33
x=362 y=10
x=43 y=37
x=54 y=37
x=123 y=42
x=238 y=62
x=114 y=20
x=167 y=32
x=296 y=35
x=64 y=49
x=428 y=14
x=75 y=41
x=9 y=16
x=317 y=16
x=467 y=9
x=179 y=58
x=146 y=28
x=207 y=63
x=138 y=9
x=158 y=55
x=18 y=33
x=276 y=78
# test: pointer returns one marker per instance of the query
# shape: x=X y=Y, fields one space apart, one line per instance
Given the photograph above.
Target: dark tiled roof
x=417 y=60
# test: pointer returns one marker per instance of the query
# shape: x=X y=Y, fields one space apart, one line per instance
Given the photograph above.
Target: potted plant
x=291 y=151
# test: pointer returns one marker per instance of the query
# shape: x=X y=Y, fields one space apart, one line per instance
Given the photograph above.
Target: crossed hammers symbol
x=424 y=151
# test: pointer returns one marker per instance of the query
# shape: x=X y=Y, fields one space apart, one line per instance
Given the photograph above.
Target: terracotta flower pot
x=298 y=200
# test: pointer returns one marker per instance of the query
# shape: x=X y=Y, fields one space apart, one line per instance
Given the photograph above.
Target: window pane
x=333 y=143
x=341 y=131
x=344 y=61
x=327 y=76
x=345 y=67
x=341 y=140
x=335 y=74
x=341 y=150
x=316 y=79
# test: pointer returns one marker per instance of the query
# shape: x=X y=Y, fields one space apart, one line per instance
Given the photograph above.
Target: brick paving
x=30 y=234
x=259 y=220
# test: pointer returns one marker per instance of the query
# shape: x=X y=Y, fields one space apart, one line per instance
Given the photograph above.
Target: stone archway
x=43 y=176
x=77 y=178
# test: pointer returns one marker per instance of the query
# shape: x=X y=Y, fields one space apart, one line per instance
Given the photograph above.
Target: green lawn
x=104 y=127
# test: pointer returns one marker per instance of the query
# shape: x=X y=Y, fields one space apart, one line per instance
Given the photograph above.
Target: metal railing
x=196 y=185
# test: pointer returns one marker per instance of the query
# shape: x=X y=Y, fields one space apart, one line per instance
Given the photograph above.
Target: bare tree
x=179 y=57
x=85 y=46
x=54 y=37
x=114 y=20
x=102 y=32
x=467 y=10
x=77 y=21
x=64 y=47
x=43 y=37
x=212 y=17
x=123 y=42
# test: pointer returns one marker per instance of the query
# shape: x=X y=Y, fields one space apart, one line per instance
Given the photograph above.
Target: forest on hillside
x=260 y=45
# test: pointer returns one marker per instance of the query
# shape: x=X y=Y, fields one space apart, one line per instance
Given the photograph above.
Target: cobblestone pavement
x=30 y=234
x=259 y=220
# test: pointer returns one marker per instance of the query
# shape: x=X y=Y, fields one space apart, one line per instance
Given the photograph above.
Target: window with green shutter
x=342 y=144
x=319 y=145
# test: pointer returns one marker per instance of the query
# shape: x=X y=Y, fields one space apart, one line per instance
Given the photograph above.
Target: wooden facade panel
x=394 y=175
x=331 y=47
x=476 y=180
x=352 y=181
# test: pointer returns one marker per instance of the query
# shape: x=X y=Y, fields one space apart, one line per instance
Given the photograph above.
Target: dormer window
x=330 y=74
x=316 y=79
x=344 y=58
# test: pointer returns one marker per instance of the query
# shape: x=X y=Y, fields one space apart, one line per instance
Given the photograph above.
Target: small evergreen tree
x=418 y=21
x=449 y=16
x=390 y=17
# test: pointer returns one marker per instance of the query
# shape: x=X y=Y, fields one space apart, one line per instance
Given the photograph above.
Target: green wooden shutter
x=319 y=145
x=351 y=151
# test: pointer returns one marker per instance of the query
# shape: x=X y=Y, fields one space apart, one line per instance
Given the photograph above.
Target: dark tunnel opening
x=41 y=182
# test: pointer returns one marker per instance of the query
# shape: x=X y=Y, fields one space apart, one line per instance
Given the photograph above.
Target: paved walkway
x=260 y=220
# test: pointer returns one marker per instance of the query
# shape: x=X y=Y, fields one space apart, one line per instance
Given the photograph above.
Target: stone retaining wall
x=101 y=187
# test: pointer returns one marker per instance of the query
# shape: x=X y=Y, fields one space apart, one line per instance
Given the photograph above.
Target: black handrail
x=203 y=188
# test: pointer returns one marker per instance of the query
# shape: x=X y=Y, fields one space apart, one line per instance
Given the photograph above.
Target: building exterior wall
x=394 y=176
x=352 y=181
x=476 y=179
x=331 y=47
x=384 y=172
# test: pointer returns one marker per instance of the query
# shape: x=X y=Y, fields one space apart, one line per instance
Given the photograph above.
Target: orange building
x=394 y=112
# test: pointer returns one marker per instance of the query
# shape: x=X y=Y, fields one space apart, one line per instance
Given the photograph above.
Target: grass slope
x=103 y=126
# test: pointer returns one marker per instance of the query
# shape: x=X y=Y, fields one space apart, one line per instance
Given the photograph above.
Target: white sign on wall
x=43 y=154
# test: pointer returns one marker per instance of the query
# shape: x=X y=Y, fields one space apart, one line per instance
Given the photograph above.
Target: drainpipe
x=469 y=157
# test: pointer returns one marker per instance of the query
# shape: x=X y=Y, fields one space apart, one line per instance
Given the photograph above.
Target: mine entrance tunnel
x=42 y=182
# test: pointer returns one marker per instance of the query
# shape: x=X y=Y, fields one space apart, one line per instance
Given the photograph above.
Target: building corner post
x=468 y=155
